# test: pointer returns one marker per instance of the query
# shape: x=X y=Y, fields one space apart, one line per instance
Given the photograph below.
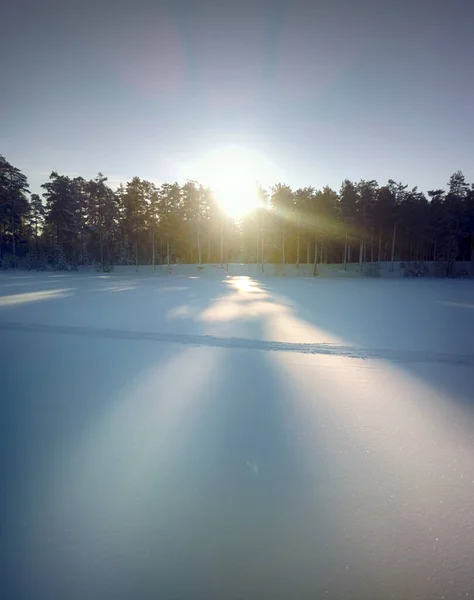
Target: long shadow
x=225 y=492
x=408 y=444
x=248 y=523
x=108 y=301
x=54 y=389
x=220 y=502
x=221 y=509
x=408 y=318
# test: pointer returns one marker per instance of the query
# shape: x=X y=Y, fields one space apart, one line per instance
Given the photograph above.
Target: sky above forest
x=315 y=91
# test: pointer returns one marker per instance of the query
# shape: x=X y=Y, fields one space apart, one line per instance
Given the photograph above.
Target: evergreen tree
x=36 y=218
x=64 y=220
x=14 y=207
x=283 y=203
x=101 y=218
x=81 y=222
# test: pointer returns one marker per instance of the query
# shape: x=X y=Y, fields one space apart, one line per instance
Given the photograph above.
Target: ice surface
x=188 y=438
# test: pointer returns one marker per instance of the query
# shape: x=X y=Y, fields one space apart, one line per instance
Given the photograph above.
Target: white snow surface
x=233 y=438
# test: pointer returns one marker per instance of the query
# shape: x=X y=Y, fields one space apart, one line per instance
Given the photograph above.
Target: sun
x=236 y=196
x=232 y=174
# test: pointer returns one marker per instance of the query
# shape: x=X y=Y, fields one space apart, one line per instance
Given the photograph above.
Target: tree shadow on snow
x=404 y=315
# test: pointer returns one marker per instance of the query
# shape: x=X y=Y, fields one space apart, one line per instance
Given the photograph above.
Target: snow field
x=230 y=438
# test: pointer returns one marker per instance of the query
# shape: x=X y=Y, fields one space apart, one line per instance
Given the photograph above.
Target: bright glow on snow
x=34 y=296
x=172 y=437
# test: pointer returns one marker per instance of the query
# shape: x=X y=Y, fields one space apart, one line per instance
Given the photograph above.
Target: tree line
x=78 y=222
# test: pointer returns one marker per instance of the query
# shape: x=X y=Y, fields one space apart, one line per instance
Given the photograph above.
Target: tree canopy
x=84 y=222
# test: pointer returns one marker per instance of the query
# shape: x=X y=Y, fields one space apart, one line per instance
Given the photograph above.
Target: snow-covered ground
x=188 y=438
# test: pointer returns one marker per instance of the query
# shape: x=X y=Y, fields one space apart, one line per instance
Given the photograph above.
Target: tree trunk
x=136 y=249
x=393 y=244
x=101 y=250
x=372 y=254
x=298 y=251
x=258 y=248
x=13 y=241
x=380 y=246
x=345 y=253
x=315 y=257
x=209 y=248
x=153 y=243
x=361 y=254
x=307 y=251
x=222 y=244
x=161 y=249
x=168 y=251
x=199 y=247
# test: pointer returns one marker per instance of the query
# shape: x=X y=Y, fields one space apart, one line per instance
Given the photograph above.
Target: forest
x=78 y=222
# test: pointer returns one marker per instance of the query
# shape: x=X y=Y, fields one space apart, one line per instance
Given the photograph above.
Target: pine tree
x=101 y=218
x=14 y=206
x=83 y=221
x=282 y=201
x=65 y=203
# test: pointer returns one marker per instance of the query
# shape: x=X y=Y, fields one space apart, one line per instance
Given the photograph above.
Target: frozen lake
x=233 y=438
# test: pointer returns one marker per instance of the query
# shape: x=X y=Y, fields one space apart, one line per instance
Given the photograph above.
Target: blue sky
x=357 y=89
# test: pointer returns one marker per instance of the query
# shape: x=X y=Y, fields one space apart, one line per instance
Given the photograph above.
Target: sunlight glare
x=236 y=196
x=232 y=173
